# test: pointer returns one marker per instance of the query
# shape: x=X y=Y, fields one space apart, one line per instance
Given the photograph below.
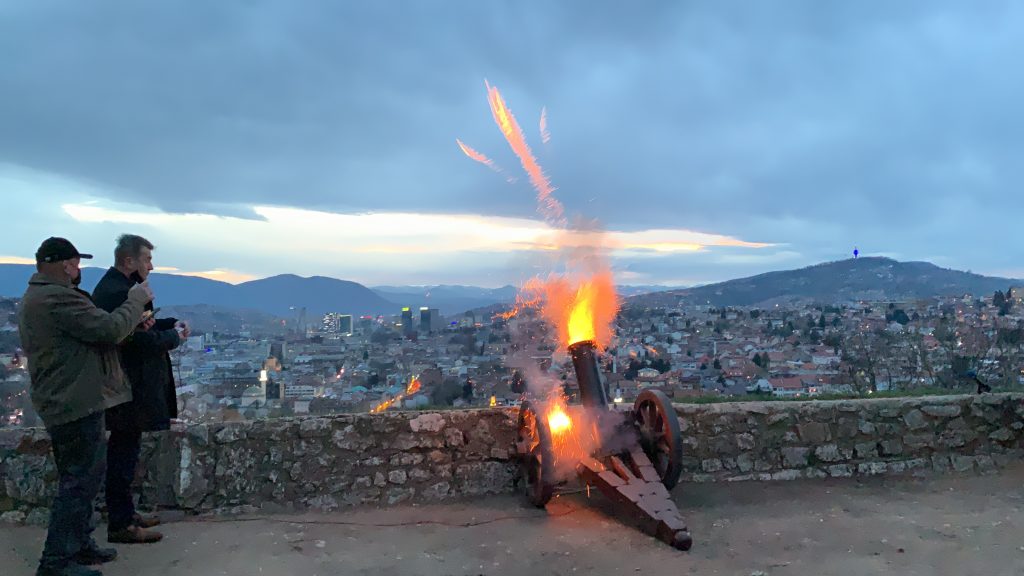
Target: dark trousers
x=122 y=459
x=79 y=452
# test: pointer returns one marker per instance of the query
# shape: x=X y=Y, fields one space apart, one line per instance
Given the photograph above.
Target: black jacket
x=146 y=363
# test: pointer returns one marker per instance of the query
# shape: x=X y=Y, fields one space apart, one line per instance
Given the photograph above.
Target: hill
x=448 y=299
x=869 y=278
x=275 y=295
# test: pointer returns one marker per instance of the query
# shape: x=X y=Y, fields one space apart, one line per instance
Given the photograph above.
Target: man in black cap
x=75 y=375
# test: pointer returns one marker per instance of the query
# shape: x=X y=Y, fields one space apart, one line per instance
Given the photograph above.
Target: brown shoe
x=134 y=535
x=145 y=521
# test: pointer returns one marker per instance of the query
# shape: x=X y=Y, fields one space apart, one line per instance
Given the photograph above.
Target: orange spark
x=550 y=207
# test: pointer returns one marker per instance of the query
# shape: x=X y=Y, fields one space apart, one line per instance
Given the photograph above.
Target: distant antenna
x=856 y=252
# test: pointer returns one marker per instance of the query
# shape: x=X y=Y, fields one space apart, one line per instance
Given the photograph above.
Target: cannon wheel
x=660 y=438
x=536 y=459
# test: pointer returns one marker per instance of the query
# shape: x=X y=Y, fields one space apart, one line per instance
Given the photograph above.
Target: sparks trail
x=550 y=208
x=482 y=158
x=547 y=205
x=545 y=136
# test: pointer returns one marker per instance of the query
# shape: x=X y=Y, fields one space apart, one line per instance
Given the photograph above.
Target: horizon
x=704 y=143
x=214 y=278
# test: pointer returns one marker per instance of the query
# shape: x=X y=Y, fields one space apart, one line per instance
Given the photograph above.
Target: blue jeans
x=79 y=451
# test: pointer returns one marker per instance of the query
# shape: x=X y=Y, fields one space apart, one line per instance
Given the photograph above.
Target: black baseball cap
x=55 y=249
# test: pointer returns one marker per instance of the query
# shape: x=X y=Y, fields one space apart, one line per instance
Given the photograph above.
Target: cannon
x=636 y=461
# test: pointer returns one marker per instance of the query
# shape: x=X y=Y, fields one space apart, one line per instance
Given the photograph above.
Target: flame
x=578 y=311
x=558 y=420
x=412 y=388
x=493 y=402
x=581 y=318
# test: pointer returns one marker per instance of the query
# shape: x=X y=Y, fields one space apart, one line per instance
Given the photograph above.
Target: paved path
x=958 y=526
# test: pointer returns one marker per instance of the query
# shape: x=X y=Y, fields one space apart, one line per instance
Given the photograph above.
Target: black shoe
x=69 y=570
x=95 y=555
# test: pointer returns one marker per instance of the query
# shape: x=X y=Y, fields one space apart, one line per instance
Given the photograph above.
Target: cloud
x=818 y=126
x=313 y=242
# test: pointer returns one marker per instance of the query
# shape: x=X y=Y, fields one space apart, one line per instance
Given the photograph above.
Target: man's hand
x=184 y=331
x=148 y=323
x=143 y=288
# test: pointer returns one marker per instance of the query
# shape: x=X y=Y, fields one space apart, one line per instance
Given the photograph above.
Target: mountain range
x=278 y=295
x=284 y=295
x=868 y=278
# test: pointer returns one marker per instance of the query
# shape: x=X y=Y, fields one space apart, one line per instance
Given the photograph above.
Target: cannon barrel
x=584 y=361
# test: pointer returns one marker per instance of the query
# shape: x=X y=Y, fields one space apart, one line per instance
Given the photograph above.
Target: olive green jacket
x=71 y=346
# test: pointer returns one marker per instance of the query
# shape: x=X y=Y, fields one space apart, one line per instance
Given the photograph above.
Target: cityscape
x=418 y=359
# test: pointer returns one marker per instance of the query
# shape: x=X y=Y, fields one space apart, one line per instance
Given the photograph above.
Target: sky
x=710 y=140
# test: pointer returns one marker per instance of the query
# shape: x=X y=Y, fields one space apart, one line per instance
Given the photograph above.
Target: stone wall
x=789 y=440
x=331 y=462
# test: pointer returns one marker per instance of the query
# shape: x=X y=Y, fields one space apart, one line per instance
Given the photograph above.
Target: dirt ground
x=962 y=526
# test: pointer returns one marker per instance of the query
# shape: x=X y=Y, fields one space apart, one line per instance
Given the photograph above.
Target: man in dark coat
x=147 y=364
x=71 y=346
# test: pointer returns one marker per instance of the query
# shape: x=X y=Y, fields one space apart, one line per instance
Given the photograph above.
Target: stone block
x=941 y=463
x=396 y=495
x=915 y=420
x=745 y=441
x=745 y=463
x=419 y=474
x=436 y=491
x=865 y=427
x=397 y=476
x=453 y=437
x=229 y=433
x=815 y=473
x=956 y=424
x=941 y=410
x=432 y=422
x=866 y=450
x=780 y=418
x=872 y=468
x=846 y=428
x=785 y=475
x=379 y=479
x=917 y=441
x=314 y=427
x=840 y=471
x=711 y=465
x=1002 y=435
x=962 y=463
x=985 y=463
x=891 y=447
x=795 y=456
x=828 y=453
x=952 y=439
x=814 y=432
x=13 y=517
